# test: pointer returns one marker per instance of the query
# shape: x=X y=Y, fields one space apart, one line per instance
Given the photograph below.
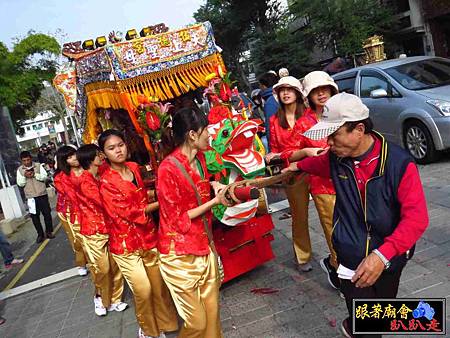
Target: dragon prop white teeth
x=240 y=151
x=241 y=159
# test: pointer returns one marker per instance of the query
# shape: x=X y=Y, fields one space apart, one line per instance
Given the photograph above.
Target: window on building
x=28 y=128
x=35 y=127
x=402 y=6
x=39 y=126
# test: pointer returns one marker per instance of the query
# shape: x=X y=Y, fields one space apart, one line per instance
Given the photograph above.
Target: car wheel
x=419 y=143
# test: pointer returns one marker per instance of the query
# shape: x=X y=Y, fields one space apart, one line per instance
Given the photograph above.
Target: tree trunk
x=66 y=133
x=243 y=77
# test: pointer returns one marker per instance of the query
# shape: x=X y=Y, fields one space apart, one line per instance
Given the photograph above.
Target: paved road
x=305 y=306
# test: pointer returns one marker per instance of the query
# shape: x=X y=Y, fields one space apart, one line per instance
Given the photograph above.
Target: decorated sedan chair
x=134 y=86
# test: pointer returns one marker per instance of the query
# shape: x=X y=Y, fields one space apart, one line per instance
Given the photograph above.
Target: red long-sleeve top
x=67 y=200
x=318 y=185
x=413 y=206
x=282 y=139
x=176 y=197
x=92 y=218
x=61 y=199
x=130 y=228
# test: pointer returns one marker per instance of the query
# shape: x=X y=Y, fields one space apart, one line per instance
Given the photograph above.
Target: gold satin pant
x=75 y=239
x=194 y=284
x=105 y=274
x=155 y=311
x=325 y=208
x=298 y=198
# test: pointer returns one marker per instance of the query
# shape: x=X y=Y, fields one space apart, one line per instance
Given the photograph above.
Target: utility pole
x=75 y=130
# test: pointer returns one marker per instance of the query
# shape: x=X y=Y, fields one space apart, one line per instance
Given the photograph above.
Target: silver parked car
x=409 y=101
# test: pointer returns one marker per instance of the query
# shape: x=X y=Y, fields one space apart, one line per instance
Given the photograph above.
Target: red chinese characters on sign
x=414 y=325
x=161 y=48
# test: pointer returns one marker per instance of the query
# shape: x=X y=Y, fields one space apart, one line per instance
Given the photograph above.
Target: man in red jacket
x=380 y=210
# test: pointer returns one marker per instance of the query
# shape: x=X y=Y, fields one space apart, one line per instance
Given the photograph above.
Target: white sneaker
x=100 y=310
x=142 y=335
x=82 y=271
x=119 y=307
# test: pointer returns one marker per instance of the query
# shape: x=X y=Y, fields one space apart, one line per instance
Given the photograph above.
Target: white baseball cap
x=338 y=110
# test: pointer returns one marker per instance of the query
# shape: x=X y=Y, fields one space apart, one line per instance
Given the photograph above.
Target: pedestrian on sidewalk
x=32 y=177
x=5 y=250
x=380 y=209
x=67 y=203
x=285 y=133
x=189 y=260
x=133 y=237
x=270 y=104
x=318 y=88
x=105 y=274
x=43 y=154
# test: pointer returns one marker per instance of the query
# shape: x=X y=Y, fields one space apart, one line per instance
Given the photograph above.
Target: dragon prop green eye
x=225 y=133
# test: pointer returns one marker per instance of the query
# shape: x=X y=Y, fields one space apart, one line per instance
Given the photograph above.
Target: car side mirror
x=378 y=93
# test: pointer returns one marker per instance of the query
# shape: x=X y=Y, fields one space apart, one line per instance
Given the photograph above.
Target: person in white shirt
x=32 y=177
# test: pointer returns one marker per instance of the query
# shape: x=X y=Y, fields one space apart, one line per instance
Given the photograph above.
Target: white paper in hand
x=31 y=206
x=345 y=273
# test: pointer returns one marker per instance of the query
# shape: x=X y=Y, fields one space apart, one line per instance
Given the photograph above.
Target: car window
x=346 y=85
x=422 y=74
x=370 y=83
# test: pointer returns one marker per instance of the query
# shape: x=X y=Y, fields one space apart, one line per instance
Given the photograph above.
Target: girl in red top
x=133 y=237
x=318 y=88
x=66 y=205
x=189 y=264
x=105 y=275
x=286 y=133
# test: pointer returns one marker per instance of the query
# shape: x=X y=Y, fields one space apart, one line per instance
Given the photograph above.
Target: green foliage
x=243 y=25
x=281 y=48
x=342 y=25
x=23 y=70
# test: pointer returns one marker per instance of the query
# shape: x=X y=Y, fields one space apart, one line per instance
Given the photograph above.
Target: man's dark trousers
x=5 y=250
x=42 y=206
x=385 y=287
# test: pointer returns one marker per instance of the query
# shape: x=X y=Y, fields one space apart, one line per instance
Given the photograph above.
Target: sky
x=85 y=19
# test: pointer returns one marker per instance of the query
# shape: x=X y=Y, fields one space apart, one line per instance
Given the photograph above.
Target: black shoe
x=50 y=235
x=40 y=239
x=333 y=278
x=346 y=329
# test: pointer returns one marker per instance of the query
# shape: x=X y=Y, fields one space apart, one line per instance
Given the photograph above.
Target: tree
x=281 y=48
x=238 y=22
x=53 y=101
x=23 y=70
x=342 y=25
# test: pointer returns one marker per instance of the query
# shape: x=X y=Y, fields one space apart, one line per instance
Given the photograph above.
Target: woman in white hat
x=318 y=88
x=286 y=133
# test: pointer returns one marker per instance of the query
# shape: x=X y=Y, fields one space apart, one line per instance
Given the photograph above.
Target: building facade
x=423 y=27
x=437 y=16
x=43 y=128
